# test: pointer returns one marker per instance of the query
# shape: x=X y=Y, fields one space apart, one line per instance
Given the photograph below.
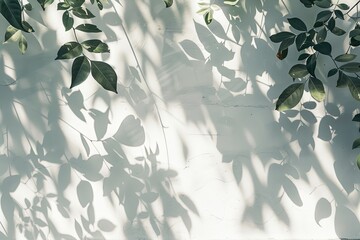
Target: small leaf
x=323 y=48
x=86 y=27
x=316 y=88
x=311 y=64
x=63 y=6
x=80 y=71
x=281 y=36
x=298 y=71
x=22 y=44
x=323 y=16
x=300 y=39
x=69 y=50
x=282 y=54
x=84 y=193
x=67 y=20
x=347 y=57
x=303 y=56
x=208 y=17
x=99 y=5
x=351 y=67
x=83 y=13
x=290 y=97
x=343 y=6
x=105 y=225
x=356 y=118
x=354 y=87
x=75 y=3
x=323 y=3
x=168 y=3
x=321 y=35
x=338 y=31
x=339 y=14
x=28 y=7
x=286 y=44
x=297 y=23
x=95 y=46
x=105 y=75
x=331 y=24
x=356 y=143
x=12 y=34
x=332 y=72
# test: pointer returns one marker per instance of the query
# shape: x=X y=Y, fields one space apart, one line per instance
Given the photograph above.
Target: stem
x=352 y=7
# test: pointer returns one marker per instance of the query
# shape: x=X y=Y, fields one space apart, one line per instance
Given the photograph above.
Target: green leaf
x=298 y=71
x=85 y=193
x=321 y=35
x=27 y=26
x=351 y=67
x=343 y=6
x=95 y=46
x=323 y=3
x=339 y=14
x=86 y=27
x=11 y=10
x=75 y=3
x=316 y=88
x=331 y=23
x=303 y=56
x=12 y=34
x=338 y=31
x=290 y=97
x=332 y=72
x=105 y=75
x=323 y=48
x=354 y=87
x=100 y=5
x=311 y=64
x=323 y=16
x=281 y=36
x=67 y=20
x=358 y=161
x=356 y=118
x=69 y=50
x=356 y=144
x=28 y=7
x=300 y=39
x=286 y=44
x=297 y=23
x=347 y=57
x=22 y=44
x=168 y=3
x=80 y=71
x=208 y=17
x=282 y=54
x=83 y=13
x=63 y=6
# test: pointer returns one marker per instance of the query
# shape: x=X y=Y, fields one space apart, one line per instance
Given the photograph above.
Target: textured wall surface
x=191 y=146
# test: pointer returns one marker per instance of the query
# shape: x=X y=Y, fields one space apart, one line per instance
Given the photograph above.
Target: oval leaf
x=69 y=50
x=11 y=10
x=105 y=75
x=345 y=57
x=80 y=71
x=86 y=27
x=290 y=97
x=84 y=193
x=67 y=20
x=297 y=23
x=83 y=13
x=316 y=88
x=95 y=46
x=323 y=48
x=281 y=36
x=298 y=71
x=351 y=67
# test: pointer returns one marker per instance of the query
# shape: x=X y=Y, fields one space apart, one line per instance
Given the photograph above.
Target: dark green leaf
x=342 y=80
x=11 y=10
x=338 y=31
x=300 y=39
x=351 y=67
x=323 y=48
x=356 y=118
x=63 y=6
x=297 y=23
x=323 y=16
x=356 y=143
x=83 y=13
x=307 y=3
x=286 y=44
x=331 y=24
x=208 y=17
x=316 y=88
x=22 y=44
x=303 y=56
x=311 y=64
x=67 y=20
x=323 y=3
x=75 y=3
x=332 y=72
x=168 y=3
x=69 y=50
x=27 y=26
x=281 y=36
x=80 y=71
x=12 y=33
x=339 y=14
x=95 y=46
x=28 y=7
x=298 y=71
x=290 y=97
x=347 y=57
x=354 y=33
x=99 y=5
x=105 y=75
x=283 y=54
x=321 y=35
x=354 y=87
x=85 y=193
x=343 y=6
x=86 y=27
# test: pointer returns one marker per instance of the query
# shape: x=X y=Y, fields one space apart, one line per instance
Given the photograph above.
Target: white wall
x=201 y=135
